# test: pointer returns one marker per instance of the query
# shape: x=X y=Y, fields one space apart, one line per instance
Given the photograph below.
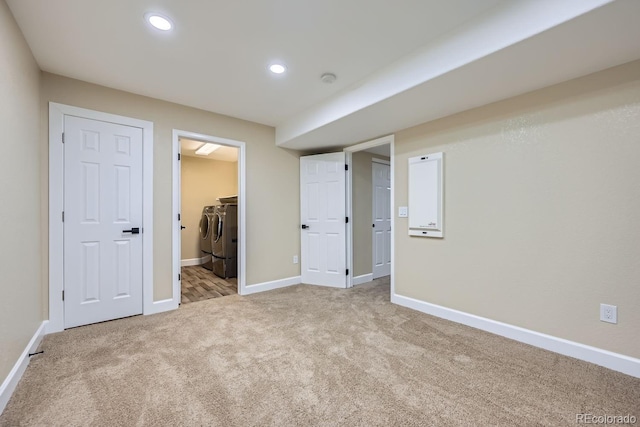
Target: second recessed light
x=160 y=22
x=277 y=68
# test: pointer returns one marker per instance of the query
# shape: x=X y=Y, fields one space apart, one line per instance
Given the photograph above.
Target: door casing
x=56 y=207
x=242 y=220
x=389 y=139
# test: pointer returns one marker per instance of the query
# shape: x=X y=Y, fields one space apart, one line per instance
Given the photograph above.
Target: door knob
x=134 y=230
x=182 y=227
x=305 y=226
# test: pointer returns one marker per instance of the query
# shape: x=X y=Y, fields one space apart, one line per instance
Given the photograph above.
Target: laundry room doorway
x=209 y=227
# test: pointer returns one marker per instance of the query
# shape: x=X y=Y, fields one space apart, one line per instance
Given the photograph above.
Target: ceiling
x=397 y=63
x=188 y=148
x=380 y=150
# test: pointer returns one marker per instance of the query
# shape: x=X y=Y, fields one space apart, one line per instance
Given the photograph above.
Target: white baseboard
x=162 y=306
x=364 y=278
x=194 y=261
x=9 y=384
x=615 y=361
x=274 y=284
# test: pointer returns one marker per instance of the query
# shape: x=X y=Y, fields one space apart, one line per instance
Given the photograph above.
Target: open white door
x=323 y=217
x=381 y=219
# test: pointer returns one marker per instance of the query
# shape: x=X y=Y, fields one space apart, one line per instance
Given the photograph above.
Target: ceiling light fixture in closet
x=206 y=149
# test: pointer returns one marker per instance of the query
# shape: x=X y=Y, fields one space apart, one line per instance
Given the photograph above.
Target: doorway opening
x=370 y=204
x=208 y=242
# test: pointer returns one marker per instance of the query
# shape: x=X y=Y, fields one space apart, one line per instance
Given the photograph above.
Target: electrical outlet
x=609 y=313
x=295 y=259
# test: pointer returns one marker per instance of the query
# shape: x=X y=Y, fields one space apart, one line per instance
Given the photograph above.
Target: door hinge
x=178 y=156
x=347 y=271
x=179 y=276
x=347 y=220
x=63 y=137
x=346 y=167
x=178 y=217
x=63 y=295
x=62 y=216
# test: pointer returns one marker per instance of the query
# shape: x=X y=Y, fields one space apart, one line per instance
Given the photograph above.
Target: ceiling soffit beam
x=490 y=32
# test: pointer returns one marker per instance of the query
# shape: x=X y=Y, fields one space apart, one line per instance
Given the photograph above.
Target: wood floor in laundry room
x=199 y=284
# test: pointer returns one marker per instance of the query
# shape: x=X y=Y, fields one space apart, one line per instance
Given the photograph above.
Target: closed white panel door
x=381 y=219
x=322 y=212
x=102 y=209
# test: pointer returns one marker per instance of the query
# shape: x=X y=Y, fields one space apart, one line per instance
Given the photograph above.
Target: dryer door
x=204 y=226
x=217 y=227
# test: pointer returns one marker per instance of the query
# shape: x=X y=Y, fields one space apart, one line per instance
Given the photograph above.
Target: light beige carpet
x=305 y=356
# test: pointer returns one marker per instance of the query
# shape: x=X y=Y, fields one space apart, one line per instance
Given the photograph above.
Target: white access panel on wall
x=425 y=195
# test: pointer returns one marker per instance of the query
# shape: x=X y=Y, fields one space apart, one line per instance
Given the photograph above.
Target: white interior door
x=323 y=217
x=102 y=209
x=381 y=219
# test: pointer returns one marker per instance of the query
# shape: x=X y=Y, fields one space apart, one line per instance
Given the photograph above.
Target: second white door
x=102 y=221
x=323 y=215
x=381 y=238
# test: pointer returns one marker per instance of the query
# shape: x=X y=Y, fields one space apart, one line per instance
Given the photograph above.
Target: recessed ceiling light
x=277 y=68
x=207 y=148
x=158 y=21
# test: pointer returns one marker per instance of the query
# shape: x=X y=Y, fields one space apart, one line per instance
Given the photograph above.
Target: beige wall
x=362 y=211
x=541 y=208
x=272 y=172
x=202 y=182
x=21 y=298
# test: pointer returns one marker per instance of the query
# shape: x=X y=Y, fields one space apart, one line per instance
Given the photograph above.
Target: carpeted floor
x=306 y=356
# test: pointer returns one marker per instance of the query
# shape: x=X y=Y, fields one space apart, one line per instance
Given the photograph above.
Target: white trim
x=349 y=212
x=194 y=261
x=617 y=362
x=389 y=139
x=11 y=381
x=393 y=220
x=370 y=144
x=274 y=284
x=176 y=237
x=363 y=278
x=56 y=205
x=242 y=207
x=381 y=161
x=161 y=306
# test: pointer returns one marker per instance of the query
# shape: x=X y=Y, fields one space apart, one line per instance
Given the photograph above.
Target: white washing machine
x=206 y=231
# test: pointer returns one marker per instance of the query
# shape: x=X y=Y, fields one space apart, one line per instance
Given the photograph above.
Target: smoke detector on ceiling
x=328 y=78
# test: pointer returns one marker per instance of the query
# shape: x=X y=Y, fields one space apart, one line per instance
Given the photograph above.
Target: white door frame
x=242 y=207
x=56 y=206
x=389 y=139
